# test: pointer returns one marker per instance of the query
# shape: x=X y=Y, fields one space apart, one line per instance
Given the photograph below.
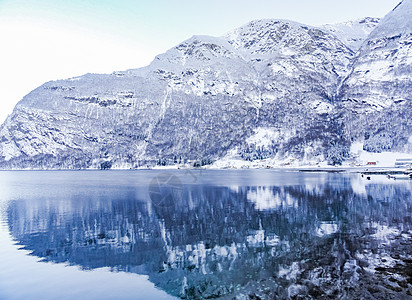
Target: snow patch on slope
x=263 y=137
x=353 y=33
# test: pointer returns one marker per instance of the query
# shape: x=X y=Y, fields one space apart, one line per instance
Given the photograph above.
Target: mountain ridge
x=281 y=81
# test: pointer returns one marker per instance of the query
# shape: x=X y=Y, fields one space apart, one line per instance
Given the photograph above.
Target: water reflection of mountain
x=314 y=241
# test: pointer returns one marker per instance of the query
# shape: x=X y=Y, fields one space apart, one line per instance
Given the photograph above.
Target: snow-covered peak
x=353 y=33
x=273 y=38
x=255 y=27
x=197 y=49
x=267 y=36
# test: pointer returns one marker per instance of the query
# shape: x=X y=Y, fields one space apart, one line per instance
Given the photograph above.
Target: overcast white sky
x=43 y=40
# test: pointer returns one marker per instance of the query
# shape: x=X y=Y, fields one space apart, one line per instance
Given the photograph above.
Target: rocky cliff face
x=271 y=88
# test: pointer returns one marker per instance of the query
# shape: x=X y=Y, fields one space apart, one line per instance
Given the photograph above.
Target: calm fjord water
x=203 y=234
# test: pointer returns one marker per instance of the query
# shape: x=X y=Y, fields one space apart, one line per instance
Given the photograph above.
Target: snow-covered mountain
x=271 y=88
x=381 y=72
x=377 y=92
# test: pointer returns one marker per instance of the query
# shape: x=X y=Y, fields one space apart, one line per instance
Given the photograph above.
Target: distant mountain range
x=271 y=89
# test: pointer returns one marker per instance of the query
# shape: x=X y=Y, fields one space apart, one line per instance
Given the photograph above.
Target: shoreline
x=330 y=169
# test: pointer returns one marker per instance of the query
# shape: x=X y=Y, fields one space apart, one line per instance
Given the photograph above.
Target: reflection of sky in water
x=23 y=277
x=229 y=233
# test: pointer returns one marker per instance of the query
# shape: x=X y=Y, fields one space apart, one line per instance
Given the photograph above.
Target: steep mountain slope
x=299 y=67
x=195 y=102
x=377 y=92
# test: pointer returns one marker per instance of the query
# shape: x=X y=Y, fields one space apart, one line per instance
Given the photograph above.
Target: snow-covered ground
x=383 y=159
